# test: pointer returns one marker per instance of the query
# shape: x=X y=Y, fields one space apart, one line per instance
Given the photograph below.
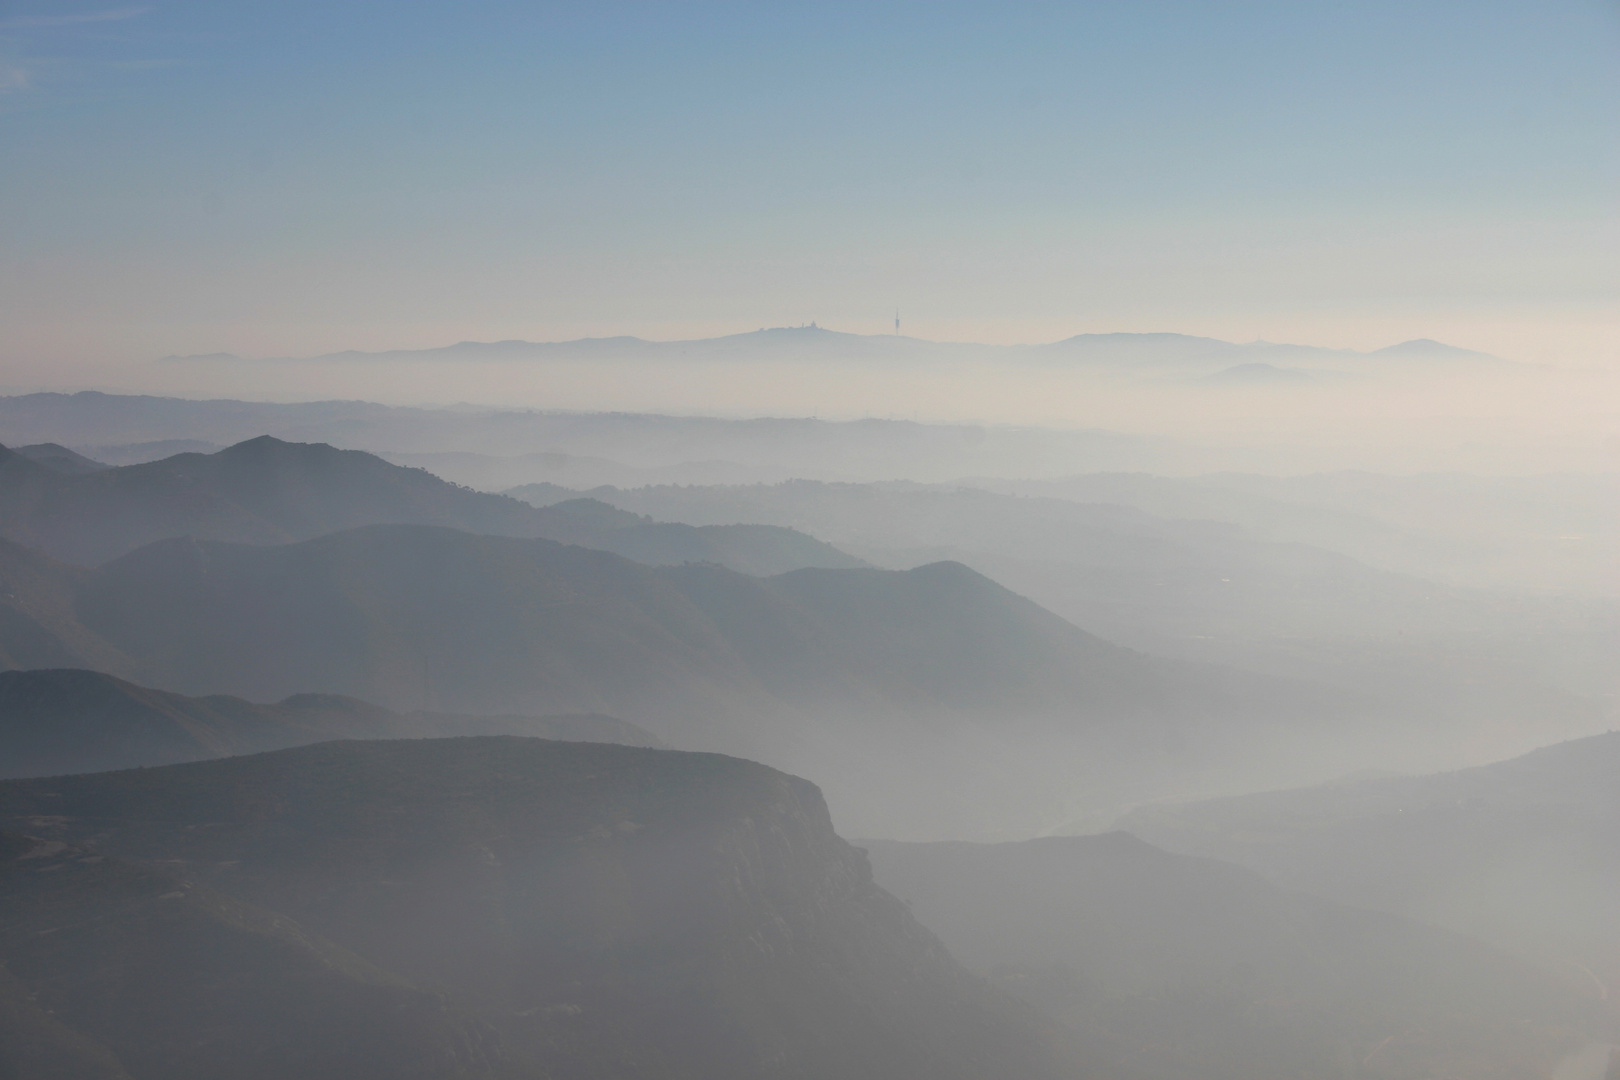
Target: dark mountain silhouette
x=61 y=459
x=872 y=681
x=608 y=910
x=1201 y=969
x=115 y=970
x=265 y=491
x=1522 y=853
x=139 y=453
x=71 y=721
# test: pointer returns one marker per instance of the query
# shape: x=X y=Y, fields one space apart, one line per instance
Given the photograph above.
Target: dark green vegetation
x=1524 y=853
x=70 y=721
x=580 y=910
x=265 y=491
x=1197 y=969
x=876 y=682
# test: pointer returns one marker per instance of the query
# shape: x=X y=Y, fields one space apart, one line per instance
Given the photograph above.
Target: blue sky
x=297 y=178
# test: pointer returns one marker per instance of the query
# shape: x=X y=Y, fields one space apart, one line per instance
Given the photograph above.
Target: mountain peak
x=1428 y=348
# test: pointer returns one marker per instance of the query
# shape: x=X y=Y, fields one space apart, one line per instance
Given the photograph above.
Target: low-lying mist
x=1412 y=407
x=321 y=692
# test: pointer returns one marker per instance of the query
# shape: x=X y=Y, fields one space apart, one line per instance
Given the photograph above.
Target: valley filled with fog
x=1199 y=768
x=878 y=541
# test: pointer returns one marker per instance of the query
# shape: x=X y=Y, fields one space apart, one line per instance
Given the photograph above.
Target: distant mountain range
x=494 y=447
x=811 y=344
x=265 y=491
x=875 y=682
x=479 y=909
x=54 y=722
x=1201 y=970
x=134 y=428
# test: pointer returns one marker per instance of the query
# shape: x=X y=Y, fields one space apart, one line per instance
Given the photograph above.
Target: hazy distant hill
x=1200 y=969
x=70 y=721
x=1525 y=853
x=766 y=448
x=751 y=549
x=265 y=491
x=1473 y=674
x=813 y=344
x=609 y=911
x=875 y=682
x=1540 y=533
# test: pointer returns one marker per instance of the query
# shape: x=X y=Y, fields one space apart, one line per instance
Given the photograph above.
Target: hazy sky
x=293 y=178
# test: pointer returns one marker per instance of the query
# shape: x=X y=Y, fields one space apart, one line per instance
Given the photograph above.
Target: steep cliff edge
x=612 y=911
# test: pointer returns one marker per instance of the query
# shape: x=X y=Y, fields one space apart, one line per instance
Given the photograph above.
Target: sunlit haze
x=636 y=540
x=301 y=179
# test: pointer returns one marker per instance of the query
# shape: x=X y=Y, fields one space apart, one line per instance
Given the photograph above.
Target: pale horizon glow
x=187 y=177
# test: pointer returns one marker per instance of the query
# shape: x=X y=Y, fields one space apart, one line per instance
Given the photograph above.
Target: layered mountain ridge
x=863 y=678
x=266 y=491
x=815 y=343
x=54 y=722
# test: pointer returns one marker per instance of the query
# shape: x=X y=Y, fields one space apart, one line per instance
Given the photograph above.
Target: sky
x=296 y=178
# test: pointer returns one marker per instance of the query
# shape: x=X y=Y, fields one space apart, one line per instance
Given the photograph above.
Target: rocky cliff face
x=609 y=911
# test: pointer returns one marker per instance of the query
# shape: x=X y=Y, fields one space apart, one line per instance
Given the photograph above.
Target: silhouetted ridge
x=68 y=721
x=267 y=491
x=61 y=459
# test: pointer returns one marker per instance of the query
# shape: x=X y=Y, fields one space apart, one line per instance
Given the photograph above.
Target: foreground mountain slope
x=265 y=491
x=61 y=721
x=168 y=979
x=34 y=1045
x=1196 y=968
x=1525 y=853
x=877 y=683
x=612 y=911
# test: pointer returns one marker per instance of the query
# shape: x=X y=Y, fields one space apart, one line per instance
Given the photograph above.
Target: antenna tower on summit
x=897 y=323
